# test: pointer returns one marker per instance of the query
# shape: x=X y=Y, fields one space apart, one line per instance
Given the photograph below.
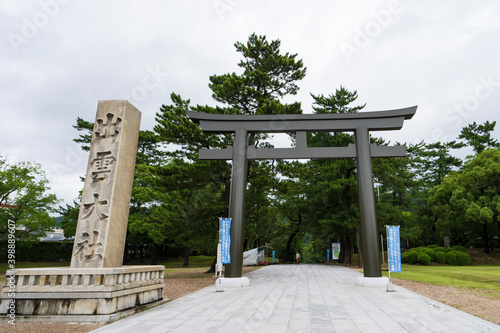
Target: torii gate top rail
x=282 y=123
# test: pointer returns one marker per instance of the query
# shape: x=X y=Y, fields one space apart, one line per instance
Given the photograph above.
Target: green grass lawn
x=197 y=261
x=471 y=277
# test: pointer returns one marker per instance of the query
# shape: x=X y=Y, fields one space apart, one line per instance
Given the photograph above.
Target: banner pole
x=218 y=270
x=388 y=253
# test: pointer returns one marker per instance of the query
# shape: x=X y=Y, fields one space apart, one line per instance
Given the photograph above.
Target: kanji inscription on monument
x=102 y=222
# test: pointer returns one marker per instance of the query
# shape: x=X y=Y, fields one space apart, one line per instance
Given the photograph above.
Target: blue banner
x=328 y=255
x=394 y=249
x=225 y=240
x=274 y=256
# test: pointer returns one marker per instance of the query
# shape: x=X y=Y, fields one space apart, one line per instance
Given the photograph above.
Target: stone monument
x=102 y=223
x=96 y=287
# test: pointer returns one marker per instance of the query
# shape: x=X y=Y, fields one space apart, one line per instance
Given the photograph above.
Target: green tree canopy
x=479 y=136
x=24 y=199
x=268 y=76
x=468 y=201
x=436 y=161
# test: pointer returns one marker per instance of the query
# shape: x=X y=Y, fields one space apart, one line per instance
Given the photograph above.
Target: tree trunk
x=186 y=257
x=141 y=252
x=288 y=247
x=329 y=246
x=290 y=240
x=360 y=253
x=212 y=267
x=486 y=243
x=345 y=250
x=154 y=257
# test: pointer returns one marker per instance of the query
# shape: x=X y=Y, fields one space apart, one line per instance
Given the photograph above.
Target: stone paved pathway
x=302 y=298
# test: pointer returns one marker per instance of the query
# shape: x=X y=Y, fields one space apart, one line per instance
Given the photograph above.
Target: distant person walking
x=297 y=257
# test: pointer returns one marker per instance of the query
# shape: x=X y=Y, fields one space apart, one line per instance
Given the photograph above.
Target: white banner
x=335 y=251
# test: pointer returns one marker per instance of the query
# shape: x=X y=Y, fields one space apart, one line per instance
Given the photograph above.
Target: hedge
x=457 y=248
x=35 y=250
x=456 y=255
x=430 y=253
x=451 y=258
x=463 y=259
x=440 y=257
x=424 y=259
x=412 y=257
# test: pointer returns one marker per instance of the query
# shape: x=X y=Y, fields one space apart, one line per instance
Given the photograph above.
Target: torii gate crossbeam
x=359 y=123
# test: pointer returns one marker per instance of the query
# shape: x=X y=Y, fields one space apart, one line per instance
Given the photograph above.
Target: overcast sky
x=59 y=57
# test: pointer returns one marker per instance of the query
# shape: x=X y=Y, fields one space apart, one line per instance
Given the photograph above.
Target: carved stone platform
x=83 y=294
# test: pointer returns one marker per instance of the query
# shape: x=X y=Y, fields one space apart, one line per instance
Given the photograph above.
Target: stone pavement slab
x=302 y=298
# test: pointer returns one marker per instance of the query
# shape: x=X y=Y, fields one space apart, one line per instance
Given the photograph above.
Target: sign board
x=225 y=240
x=394 y=249
x=335 y=251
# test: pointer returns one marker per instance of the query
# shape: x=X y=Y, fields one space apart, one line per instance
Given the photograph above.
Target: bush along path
x=455 y=256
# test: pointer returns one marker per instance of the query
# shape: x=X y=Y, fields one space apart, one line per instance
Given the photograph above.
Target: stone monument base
x=79 y=294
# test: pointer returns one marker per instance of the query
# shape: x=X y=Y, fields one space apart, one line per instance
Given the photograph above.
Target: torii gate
x=360 y=123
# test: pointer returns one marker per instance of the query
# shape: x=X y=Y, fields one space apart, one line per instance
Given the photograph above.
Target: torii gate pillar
x=359 y=123
x=236 y=202
x=366 y=195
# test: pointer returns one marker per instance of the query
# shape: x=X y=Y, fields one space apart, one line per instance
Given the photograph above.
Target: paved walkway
x=302 y=298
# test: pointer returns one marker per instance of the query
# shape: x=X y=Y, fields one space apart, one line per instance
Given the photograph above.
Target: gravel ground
x=476 y=303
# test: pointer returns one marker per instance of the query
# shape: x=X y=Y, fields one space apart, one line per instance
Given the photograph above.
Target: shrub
x=430 y=253
x=418 y=249
x=424 y=259
x=439 y=249
x=459 y=249
x=412 y=257
x=433 y=246
x=441 y=257
x=463 y=259
x=451 y=258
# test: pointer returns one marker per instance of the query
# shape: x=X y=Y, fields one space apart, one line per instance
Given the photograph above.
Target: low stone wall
x=80 y=291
